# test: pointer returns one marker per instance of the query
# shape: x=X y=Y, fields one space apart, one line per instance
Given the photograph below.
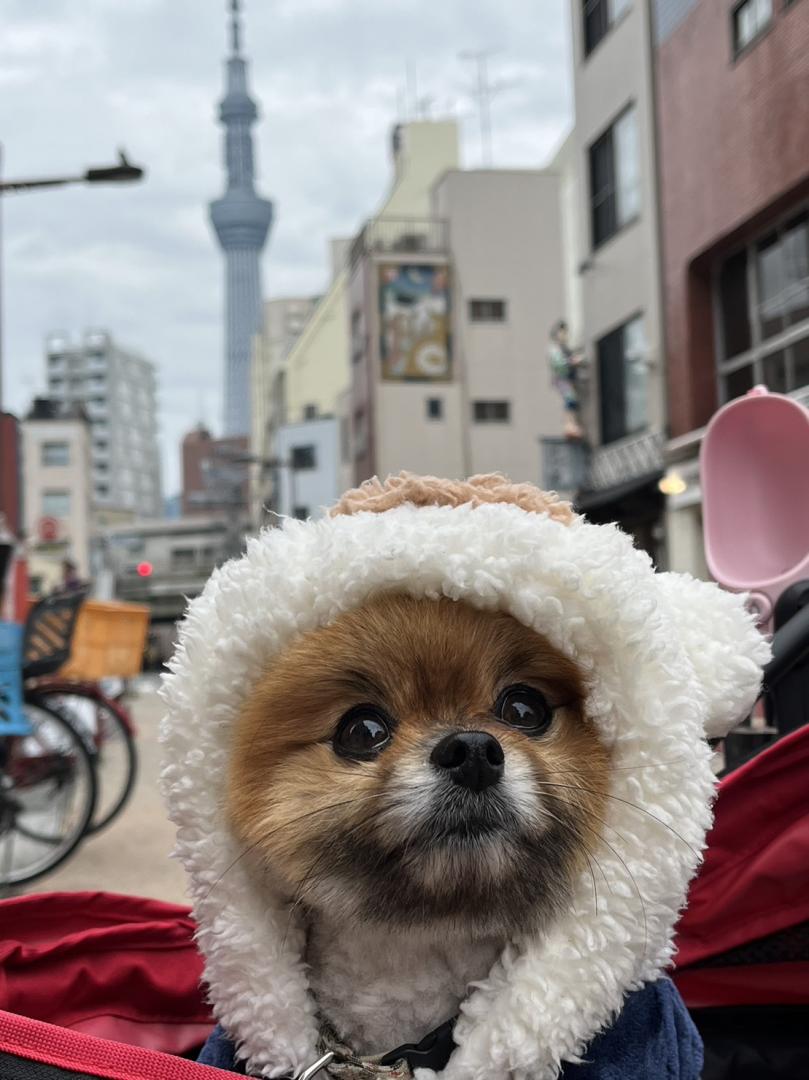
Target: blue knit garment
x=654 y=1038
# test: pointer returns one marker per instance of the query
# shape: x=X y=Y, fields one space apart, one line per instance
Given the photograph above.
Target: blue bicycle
x=47 y=776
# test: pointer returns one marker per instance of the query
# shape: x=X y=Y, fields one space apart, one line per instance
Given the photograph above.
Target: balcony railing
x=573 y=467
x=400 y=236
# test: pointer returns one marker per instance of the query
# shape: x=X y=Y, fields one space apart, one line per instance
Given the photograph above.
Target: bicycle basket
x=12 y=717
x=49 y=633
x=108 y=641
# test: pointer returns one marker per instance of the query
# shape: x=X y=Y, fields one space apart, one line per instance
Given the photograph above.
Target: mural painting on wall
x=414 y=322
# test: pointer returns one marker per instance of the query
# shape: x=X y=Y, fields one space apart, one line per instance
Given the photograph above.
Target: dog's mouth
x=472 y=819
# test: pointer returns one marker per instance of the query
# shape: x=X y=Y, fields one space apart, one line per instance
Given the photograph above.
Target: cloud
x=80 y=80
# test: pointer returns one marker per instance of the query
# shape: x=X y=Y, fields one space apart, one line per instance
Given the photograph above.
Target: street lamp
x=122 y=173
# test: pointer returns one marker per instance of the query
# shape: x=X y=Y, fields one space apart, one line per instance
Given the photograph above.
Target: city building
x=308 y=474
x=316 y=374
x=116 y=389
x=242 y=221
x=448 y=314
x=10 y=490
x=58 y=491
x=608 y=173
x=284 y=320
x=735 y=221
x=163 y=564
x=214 y=475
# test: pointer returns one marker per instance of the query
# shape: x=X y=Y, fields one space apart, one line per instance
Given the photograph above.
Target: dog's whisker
x=627 y=768
x=287 y=824
x=625 y=802
x=637 y=890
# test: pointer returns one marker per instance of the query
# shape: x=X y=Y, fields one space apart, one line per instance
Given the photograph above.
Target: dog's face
x=421 y=763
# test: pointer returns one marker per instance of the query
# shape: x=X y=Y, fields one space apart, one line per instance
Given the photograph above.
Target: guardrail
x=400 y=236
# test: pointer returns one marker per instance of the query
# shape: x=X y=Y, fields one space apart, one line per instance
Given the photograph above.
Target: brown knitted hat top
x=376 y=496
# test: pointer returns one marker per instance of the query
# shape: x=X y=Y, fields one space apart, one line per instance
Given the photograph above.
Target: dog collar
x=432 y=1052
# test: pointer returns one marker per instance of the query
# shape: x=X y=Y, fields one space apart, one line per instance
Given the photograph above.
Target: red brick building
x=214 y=474
x=732 y=89
x=10 y=472
x=733 y=146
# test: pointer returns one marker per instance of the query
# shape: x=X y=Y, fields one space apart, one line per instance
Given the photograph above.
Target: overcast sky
x=79 y=79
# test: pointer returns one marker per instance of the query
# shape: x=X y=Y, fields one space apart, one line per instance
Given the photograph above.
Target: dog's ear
x=725 y=647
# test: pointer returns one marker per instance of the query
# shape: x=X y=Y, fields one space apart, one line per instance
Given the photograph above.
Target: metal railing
x=572 y=466
x=400 y=236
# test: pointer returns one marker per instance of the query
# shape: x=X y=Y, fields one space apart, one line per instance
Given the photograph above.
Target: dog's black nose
x=474 y=759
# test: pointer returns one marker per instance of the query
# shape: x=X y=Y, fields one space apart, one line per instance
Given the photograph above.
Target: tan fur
x=433 y=665
x=376 y=496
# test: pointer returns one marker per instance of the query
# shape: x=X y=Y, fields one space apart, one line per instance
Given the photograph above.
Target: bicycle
x=102 y=721
x=109 y=735
x=47 y=777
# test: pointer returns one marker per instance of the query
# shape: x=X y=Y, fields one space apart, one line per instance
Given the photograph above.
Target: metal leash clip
x=312 y=1070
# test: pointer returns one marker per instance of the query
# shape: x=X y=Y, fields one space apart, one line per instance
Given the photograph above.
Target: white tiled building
x=117 y=389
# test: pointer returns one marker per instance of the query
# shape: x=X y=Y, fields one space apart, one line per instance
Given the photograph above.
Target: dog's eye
x=525 y=709
x=362 y=733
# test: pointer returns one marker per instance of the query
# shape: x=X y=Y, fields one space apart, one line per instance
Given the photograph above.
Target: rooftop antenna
x=412 y=90
x=484 y=92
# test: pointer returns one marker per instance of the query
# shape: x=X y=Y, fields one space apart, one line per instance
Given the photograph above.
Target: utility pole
x=484 y=92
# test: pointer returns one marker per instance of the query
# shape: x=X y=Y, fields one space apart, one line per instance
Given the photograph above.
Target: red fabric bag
x=117 y=967
x=744 y=938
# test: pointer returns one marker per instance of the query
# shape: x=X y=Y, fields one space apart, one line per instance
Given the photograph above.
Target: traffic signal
x=145 y=569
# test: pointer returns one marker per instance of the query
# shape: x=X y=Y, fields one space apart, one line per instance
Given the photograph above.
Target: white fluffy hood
x=666 y=659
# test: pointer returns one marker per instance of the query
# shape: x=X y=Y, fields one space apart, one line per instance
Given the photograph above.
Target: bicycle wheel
x=107 y=733
x=47 y=795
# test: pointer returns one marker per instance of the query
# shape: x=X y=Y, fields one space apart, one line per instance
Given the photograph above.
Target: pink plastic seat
x=755 y=496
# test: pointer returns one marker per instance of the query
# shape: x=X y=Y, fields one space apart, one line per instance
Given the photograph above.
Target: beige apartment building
x=57 y=490
x=285 y=319
x=448 y=319
x=618 y=309
x=311 y=380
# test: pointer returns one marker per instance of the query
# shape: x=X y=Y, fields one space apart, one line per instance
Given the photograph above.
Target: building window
x=491 y=412
x=435 y=408
x=300 y=512
x=56 y=504
x=750 y=19
x=782 y=266
x=360 y=433
x=102 y=491
x=615 y=177
x=599 y=16
x=487 y=310
x=310 y=412
x=762 y=308
x=55 y=453
x=183 y=558
x=735 y=304
x=357 y=338
x=622 y=377
x=303 y=457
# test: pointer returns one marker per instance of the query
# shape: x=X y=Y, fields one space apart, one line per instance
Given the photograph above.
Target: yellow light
x=672 y=484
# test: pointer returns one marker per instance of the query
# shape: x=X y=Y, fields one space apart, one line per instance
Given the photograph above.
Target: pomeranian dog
x=440 y=778
x=423 y=779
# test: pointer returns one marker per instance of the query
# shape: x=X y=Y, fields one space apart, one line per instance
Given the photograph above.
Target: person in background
x=564 y=363
x=71 y=582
